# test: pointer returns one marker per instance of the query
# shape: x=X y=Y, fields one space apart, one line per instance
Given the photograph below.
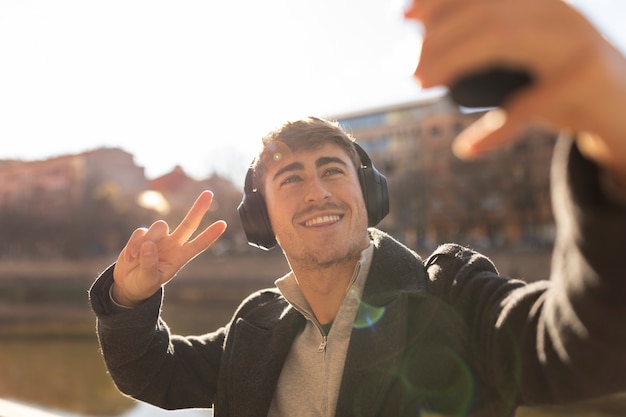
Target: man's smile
x=322 y=220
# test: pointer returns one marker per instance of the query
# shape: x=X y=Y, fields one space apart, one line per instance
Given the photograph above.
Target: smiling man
x=361 y=325
x=317 y=213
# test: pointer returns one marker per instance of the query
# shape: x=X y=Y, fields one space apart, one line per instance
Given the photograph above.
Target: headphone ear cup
x=254 y=218
x=374 y=188
x=375 y=193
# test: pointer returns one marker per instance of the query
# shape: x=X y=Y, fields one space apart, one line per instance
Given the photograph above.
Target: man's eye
x=333 y=171
x=290 y=179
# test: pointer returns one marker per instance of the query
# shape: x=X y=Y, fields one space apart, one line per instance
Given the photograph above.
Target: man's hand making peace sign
x=153 y=256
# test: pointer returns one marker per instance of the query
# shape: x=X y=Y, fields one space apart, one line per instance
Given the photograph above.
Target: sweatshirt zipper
x=322 y=346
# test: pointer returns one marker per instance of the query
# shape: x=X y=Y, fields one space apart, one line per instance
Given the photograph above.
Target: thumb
x=480 y=135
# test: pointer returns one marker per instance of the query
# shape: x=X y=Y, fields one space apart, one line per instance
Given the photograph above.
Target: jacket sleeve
x=559 y=340
x=146 y=361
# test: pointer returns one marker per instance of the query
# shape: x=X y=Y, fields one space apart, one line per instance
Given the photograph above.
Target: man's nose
x=316 y=191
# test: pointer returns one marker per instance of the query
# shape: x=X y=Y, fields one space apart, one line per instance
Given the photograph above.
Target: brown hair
x=309 y=133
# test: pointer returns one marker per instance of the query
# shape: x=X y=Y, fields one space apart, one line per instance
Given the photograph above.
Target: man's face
x=316 y=207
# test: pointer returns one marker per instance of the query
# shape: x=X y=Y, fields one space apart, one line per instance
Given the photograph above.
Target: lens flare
x=450 y=392
x=368 y=315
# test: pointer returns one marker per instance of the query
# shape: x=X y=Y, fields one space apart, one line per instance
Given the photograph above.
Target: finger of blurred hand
x=454 y=47
x=481 y=136
x=500 y=127
x=429 y=10
x=521 y=35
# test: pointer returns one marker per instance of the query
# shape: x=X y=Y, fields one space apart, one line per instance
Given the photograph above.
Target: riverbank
x=525 y=263
x=48 y=298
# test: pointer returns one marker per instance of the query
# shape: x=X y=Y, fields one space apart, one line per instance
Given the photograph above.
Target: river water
x=49 y=354
x=11 y=408
x=66 y=375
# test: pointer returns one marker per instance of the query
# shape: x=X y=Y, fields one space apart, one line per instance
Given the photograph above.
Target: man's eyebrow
x=294 y=166
x=325 y=160
x=297 y=166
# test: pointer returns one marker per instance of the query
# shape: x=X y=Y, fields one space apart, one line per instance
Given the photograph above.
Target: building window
x=435 y=132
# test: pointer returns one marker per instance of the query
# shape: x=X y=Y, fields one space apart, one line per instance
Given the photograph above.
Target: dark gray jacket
x=447 y=335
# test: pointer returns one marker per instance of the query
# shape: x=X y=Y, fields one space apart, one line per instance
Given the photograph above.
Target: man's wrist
x=119 y=301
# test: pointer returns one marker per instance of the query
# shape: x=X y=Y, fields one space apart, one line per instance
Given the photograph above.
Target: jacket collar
x=257 y=357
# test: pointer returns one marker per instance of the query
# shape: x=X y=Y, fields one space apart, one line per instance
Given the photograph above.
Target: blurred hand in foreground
x=579 y=76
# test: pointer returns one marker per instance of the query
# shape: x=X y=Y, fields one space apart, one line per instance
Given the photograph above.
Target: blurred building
x=500 y=200
x=49 y=188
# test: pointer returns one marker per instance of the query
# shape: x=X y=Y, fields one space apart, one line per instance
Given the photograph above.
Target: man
x=361 y=325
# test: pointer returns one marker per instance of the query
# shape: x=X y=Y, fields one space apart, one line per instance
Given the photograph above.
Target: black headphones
x=256 y=222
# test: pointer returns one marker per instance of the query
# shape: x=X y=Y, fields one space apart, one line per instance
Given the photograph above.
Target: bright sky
x=196 y=83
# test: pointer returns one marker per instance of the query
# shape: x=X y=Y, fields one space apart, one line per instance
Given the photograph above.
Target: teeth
x=322 y=219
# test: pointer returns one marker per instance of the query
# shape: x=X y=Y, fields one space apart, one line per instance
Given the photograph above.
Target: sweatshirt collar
x=290 y=289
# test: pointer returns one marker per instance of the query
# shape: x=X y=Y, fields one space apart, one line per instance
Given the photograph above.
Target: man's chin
x=328 y=256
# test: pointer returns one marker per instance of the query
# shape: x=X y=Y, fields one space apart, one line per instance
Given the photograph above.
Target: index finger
x=193 y=218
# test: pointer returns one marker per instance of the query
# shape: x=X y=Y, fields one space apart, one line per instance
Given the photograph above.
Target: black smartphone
x=490 y=88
